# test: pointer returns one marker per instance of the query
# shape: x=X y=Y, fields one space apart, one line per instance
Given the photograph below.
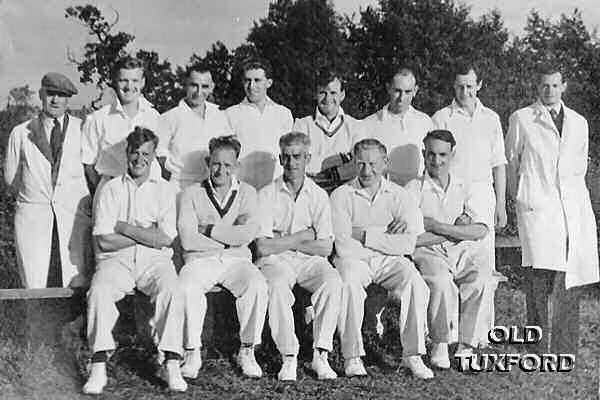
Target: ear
x=41 y=93
x=280 y=160
x=143 y=82
x=342 y=95
x=479 y=85
x=564 y=85
x=308 y=156
x=269 y=83
x=416 y=90
x=387 y=87
x=207 y=160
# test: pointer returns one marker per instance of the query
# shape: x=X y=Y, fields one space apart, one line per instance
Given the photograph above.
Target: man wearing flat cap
x=43 y=168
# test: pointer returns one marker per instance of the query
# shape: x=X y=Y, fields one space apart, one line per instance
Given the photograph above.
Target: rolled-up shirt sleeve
x=89 y=141
x=266 y=220
x=167 y=222
x=498 y=153
x=322 y=217
x=106 y=213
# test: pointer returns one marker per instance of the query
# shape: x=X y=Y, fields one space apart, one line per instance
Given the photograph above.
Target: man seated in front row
x=376 y=224
x=450 y=255
x=217 y=220
x=133 y=228
x=293 y=244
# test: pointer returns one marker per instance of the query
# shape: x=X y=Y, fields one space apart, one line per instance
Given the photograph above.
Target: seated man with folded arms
x=133 y=228
x=450 y=255
x=217 y=220
x=376 y=223
x=293 y=244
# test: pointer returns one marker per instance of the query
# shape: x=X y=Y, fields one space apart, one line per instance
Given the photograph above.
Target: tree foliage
x=303 y=37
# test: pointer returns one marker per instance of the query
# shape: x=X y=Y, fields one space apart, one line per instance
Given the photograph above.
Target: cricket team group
x=327 y=202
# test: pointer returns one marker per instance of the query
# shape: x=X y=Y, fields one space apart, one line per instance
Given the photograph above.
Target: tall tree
x=105 y=46
x=431 y=36
x=301 y=38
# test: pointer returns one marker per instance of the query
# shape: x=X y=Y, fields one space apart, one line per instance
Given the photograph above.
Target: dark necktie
x=55 y=141
x=556 y=118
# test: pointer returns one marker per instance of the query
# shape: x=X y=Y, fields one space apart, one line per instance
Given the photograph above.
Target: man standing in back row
x=258 y=122
x=401 y=128
x=185 y=131
x=479 y=152
x=547 y=149
x=332 y=134
x=104 y=132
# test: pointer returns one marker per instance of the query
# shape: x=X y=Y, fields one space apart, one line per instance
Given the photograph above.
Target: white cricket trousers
x=155 y=276
x=314 y=274
x=241 y=278
x=461 y=286
x=402 y=280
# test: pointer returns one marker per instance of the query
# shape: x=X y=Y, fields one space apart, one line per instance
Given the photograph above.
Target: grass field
x=39 y=359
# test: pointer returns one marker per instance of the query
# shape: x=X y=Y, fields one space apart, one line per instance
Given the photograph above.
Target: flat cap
x=58 y=83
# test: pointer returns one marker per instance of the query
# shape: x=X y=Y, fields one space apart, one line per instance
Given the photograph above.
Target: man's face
x=256 y=85
x=293 y=159
x=330 y=97
x=466 y=88
x=438 y=155
x=370 y=164
x=140 y=159
x=551 y=89
x=402 y=91
x=54 y=104
x=129 y=84
x=198 y=87
x=221 y=164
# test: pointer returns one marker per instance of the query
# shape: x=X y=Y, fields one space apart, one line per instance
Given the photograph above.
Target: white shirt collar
x=235 y=186
x=209 y=107
x=247 y=102
x=456 y=108
x=321 y=119
x=386 y=114
x=143 y=104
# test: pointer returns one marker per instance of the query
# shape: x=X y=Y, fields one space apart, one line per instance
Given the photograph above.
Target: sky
x=35 y=36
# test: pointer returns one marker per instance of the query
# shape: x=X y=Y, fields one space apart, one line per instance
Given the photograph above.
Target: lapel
x=542 y=117
x=37 y=135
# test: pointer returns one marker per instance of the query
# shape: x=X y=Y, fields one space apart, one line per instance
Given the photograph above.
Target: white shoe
x=416 y=366
x=247 y=363
x=354 y=367
x=438 y=354
x=467 y=360
x=192 y=363
x=97 y=380
x=288 y=369
x=171 y=373
x=321 y=366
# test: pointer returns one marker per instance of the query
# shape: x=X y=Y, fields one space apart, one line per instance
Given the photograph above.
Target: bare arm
x=92 y=177
x=153 y=236
x=318 y=247
x=456 y=232
x=114 y=242
x=499 y=175
x=429 y=239
x=279 y=244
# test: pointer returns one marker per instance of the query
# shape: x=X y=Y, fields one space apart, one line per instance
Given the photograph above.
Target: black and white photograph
x=299 y=199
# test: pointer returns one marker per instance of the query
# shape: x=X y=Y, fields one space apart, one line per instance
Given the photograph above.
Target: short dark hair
x=258 y=63
x=465 y=67
x=324 y=78
x=201 y=69
x=229 y=142
x=139 y=136
x=367 y=143
x=549 y=68
x=293 y=138
x=127 y=62
x=440 y=134
x=402 y=71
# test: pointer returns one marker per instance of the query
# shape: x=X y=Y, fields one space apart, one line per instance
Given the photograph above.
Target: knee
x=100 y=292
x=258 y=284
x=439 y=282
